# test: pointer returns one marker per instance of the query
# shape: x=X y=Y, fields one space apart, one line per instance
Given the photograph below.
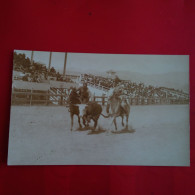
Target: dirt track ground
x=41 y=135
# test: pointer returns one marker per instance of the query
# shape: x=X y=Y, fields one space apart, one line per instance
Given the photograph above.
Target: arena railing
x=48 y=98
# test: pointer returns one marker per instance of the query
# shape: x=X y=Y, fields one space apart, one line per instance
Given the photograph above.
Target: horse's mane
x=74 y=98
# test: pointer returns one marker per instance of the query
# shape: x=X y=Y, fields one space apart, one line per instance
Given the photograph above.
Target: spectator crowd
x=35 y=71
x=39 y=76
x=132 y=89
x=98 y=80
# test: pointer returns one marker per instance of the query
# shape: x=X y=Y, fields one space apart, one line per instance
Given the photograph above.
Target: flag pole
x=65 y=61
x=31 y=60
x=49 y=65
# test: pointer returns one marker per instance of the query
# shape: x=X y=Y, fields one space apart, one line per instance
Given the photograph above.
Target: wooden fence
x=47 y=98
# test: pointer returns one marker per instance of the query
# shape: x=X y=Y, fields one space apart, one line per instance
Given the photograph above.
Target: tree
x=21 y=62
x=52 y=70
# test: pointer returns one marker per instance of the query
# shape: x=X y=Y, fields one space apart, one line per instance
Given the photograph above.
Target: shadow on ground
x=84 y=128
x=102 y=130
x=96 y=132
x=124 y=131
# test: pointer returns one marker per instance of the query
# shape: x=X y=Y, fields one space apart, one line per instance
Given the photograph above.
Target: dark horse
x=118 y=108
x=73 y=100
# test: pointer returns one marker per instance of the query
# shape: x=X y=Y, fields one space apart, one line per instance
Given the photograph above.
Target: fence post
x=47 y=96
x=31 y=96
x=61 y=97
x=103 y=101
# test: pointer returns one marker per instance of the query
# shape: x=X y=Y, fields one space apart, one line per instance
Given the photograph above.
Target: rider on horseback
x=116 y=93
x=78 y=96
x=84 y=93
x=118 y=106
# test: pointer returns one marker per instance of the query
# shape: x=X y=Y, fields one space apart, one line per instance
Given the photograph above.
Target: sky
x=145 y=64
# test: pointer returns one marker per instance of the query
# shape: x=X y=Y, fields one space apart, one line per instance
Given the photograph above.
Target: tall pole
x=49 y=65
x=65 y=60
x=31 y=60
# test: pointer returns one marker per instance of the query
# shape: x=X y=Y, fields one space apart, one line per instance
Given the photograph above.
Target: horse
x=73 y=101
x=119 y=108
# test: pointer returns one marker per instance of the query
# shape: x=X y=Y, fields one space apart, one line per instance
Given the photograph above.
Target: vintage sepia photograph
x=99 y=109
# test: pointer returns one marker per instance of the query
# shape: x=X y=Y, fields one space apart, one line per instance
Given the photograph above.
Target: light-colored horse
x=119 y=108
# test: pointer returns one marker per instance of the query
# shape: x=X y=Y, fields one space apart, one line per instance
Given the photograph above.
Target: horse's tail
x=108 y=107
x=105 y=115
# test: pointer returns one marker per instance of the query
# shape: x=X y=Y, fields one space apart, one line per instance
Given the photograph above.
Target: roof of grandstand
x=42 y=86
x=110 y=71
x=30 y=85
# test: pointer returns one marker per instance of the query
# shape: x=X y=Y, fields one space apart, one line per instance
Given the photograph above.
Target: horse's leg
x=84 y=121
x=122 y=121
x=127 y=121
x=72 y=118
x=114 y=120
x=79 y=121
x=127 y=117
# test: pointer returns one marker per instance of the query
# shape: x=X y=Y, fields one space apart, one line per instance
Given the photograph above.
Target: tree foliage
x=23 y=63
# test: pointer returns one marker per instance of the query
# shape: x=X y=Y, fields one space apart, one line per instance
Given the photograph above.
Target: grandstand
x=132 y=89
x=35 y=77
x=139 y=93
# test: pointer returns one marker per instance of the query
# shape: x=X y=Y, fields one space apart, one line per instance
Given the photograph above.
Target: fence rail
x=47 y=98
